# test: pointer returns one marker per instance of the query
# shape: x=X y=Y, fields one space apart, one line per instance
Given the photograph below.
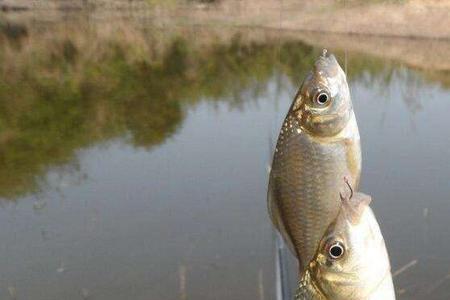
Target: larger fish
x=351 y=261
x=318 y=145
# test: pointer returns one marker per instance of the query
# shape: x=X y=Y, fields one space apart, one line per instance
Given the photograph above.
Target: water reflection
x=62 y=94
x=69 y=100
x=138 y=159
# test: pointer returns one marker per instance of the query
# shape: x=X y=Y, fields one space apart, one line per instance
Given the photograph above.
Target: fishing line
x=282 y=288
x=277 y=58
x=345 y=61
x=279 y=31
x=345 y=50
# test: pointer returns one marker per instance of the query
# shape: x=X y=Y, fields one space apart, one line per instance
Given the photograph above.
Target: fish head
x=351 y=260
x=323 y=106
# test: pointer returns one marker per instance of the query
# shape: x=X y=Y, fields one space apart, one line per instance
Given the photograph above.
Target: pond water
x=154 y=187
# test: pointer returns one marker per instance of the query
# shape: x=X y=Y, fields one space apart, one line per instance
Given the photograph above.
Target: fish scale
x=306 y=289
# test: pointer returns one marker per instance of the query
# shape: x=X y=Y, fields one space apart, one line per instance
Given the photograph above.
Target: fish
x=351 y=261
x=318 y=144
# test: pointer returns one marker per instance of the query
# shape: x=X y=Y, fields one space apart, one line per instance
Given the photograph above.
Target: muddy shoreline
x=220 y=22
x=425 y=19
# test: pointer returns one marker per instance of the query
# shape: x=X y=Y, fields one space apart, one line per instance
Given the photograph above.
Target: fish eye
x=322 y=98
x=336 y=250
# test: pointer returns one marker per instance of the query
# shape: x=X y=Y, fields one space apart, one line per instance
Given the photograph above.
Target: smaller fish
x=351 y=262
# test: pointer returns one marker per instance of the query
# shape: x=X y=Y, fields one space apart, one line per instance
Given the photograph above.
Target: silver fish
x=317 y=146
x=351 y=261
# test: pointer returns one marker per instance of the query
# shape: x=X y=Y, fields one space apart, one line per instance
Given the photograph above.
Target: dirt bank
x=320 y=23
x=403 y=18
x=413 y=19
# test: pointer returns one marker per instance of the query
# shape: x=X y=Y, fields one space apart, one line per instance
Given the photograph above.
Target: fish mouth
x=326 y=65
x=336 y=280
x=325 y=125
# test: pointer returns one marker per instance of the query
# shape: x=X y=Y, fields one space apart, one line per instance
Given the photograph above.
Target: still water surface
x=184 y=217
